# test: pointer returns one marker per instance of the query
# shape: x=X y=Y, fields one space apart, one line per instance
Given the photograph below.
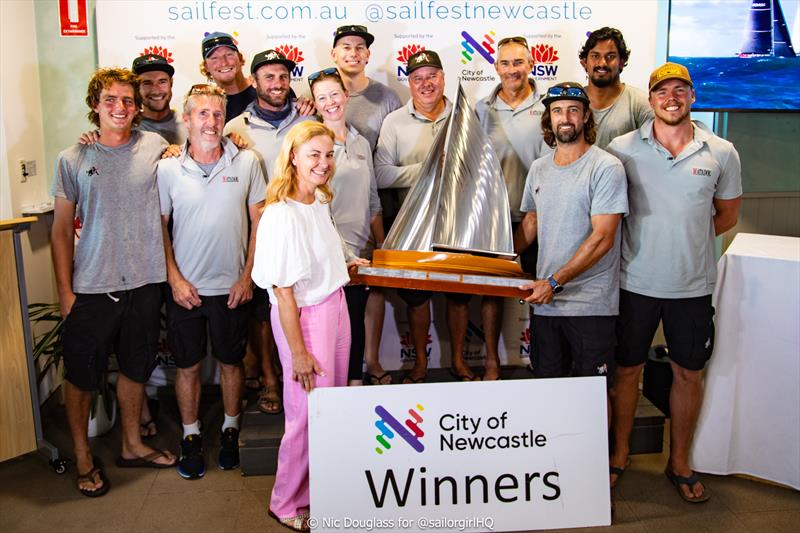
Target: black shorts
x=126 y=323
x=259 y=305
x=588 y=339
x=415 y=298
x=186 y=331
x=688 y=328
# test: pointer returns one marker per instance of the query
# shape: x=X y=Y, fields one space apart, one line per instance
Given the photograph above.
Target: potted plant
x=48 y=352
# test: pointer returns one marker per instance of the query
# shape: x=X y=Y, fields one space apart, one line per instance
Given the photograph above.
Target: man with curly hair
x=617 y=107
x=109 y=284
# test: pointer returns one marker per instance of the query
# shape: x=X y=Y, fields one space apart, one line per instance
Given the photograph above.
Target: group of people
x=615 y=197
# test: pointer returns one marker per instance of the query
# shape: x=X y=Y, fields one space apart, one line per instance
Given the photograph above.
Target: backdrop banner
x=406 y=459
x=464 y=33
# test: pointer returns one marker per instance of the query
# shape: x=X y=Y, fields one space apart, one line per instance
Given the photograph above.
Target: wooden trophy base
x=444 y=272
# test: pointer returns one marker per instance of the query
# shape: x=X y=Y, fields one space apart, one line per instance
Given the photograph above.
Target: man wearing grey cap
x=156 y=90
x=406 y=137
x=574 y=200
x=685 y=189
x=222 y=63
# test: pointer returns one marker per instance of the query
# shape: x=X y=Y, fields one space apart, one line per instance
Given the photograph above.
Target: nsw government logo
x=293 y=53
x=402 y=57
x=158 y=51
x=544 y=59
x=389 y=427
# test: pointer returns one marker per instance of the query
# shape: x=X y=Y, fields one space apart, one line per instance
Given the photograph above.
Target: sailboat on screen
x=766 y=33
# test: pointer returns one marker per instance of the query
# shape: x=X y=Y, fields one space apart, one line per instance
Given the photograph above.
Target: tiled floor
x=34 y=498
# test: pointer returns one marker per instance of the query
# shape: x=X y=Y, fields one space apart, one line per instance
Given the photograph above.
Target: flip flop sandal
x=253 y=383
x=270 y=396
x=148 y=461
x=373 y=379
x=465 y=377
x=689 y=481
x=618 y=471
x=407 y=379
x=89 y=477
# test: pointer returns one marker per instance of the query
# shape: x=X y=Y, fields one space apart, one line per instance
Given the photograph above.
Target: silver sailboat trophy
x=453 y=232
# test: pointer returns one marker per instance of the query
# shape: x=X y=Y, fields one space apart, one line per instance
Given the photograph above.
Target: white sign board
x=481 y=456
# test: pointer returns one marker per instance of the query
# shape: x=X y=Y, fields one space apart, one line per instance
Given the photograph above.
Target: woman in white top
x=300 y=260
x=356 y=207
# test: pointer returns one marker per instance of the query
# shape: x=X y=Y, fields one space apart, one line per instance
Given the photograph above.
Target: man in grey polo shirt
x=512 y=117
x=574 y=200
x=406 y=137
x=156 y=91
x=685 y=188
x=109 y=284
x=617 y=107
x=213 y=191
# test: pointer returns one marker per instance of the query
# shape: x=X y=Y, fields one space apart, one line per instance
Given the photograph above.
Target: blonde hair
x=284 y=183
x=204 y=69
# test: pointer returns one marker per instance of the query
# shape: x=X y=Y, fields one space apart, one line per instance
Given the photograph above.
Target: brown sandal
x=269 y=401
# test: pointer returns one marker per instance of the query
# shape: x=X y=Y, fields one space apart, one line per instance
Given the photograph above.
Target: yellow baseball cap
x=669 y=71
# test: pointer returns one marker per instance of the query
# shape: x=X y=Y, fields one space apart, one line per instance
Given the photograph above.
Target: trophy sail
x=460 y=202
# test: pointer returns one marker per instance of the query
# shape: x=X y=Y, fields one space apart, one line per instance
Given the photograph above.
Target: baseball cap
x=150 y=62
x=353 y=29
x=268 y=57
x=669 y=71
x=423 y=58
x=212 y=41
x=568 y=90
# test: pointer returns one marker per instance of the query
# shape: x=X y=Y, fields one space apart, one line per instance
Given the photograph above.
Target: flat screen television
x=743 y=55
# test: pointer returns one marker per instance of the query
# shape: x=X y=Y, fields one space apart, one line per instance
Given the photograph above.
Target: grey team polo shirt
x=170 y=127
x=516 y=136
x=116 y=198
x=668 y=246
x=565 y=198
x=367 y=110
x=629 y=111
x=355 y=194
x=406 y=137
x=262 y=136
x=210 y=215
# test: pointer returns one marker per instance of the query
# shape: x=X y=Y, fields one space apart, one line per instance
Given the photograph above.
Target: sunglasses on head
x=577 y=92
x=518 y=40
x=332 y=71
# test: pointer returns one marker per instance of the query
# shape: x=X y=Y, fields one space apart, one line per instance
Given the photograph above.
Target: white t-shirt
x=297 y=246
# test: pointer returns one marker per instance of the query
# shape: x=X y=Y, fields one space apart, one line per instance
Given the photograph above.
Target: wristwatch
x=554 y=285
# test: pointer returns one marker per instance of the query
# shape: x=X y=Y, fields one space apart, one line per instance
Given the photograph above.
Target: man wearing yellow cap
x=684 y=188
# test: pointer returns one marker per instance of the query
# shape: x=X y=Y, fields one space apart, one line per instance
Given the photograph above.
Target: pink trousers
x=326 y=333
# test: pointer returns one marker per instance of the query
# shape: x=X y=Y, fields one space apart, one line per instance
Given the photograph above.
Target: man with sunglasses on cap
x=574 y=200
x=156 y=90
x=213 y=192
x=685 y=189
x=617 y=107
x=512 y=117
x=406 y=137
x=222 y=63
x=370 y=102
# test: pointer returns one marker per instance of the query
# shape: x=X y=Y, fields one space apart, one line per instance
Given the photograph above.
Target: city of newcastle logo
x=159 y=51
x=293 y=53
x=234 y=35
x=471 y=46
x=389 y=426
x=544 y=57
x=402 y=56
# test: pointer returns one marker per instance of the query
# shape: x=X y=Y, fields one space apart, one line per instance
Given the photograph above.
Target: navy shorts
x=126 y=323
x=227 y=328
x=688 y=329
